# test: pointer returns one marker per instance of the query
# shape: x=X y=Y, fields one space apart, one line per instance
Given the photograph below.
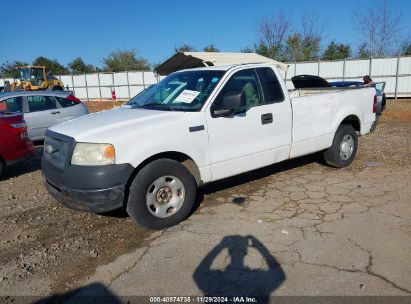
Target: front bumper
x=94 y=189
x=96 y=200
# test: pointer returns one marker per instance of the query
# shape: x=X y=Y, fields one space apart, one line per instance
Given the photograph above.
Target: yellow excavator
x=34 y=78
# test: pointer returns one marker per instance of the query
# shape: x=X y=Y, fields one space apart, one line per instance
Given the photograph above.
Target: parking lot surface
x=294 y=228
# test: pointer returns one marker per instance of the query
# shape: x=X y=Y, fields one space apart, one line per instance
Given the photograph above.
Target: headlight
x=86 y=154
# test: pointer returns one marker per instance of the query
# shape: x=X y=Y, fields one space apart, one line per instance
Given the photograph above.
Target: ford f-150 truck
x=194 y=127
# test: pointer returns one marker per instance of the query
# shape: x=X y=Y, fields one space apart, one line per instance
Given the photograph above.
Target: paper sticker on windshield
x=187 y=96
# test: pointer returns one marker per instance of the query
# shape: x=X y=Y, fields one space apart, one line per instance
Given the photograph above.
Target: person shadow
x=237 y=279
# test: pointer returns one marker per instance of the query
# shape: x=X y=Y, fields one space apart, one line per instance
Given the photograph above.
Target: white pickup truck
x=194 y=127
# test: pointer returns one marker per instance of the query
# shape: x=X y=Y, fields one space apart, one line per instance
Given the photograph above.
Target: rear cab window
x=41 y=103
x=272 y=89
x=13 y=104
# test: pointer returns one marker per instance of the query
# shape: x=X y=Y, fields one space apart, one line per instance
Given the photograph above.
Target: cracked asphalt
x=295 y=228
x=330 y=233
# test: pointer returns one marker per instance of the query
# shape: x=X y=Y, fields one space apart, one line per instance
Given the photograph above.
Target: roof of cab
x=31 y=93
x=222 y=67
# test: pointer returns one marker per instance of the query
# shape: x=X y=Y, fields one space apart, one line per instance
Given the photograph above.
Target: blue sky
x=92 y=29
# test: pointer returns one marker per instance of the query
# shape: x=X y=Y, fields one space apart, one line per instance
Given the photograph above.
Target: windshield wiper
x=152 y=104
x=162 y=106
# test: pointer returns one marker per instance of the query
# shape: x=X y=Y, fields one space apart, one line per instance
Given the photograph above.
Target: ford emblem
x=50 y=149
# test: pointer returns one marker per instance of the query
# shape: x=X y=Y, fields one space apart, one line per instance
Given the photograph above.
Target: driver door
x=256 y=136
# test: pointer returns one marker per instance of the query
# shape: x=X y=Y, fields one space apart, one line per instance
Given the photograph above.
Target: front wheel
x=162 y=194
x=344 y=147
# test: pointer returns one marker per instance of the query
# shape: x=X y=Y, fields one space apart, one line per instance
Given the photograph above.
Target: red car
x=15 y=145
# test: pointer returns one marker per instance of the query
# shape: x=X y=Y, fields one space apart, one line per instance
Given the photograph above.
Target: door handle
x=55 y=112
x=266 y=118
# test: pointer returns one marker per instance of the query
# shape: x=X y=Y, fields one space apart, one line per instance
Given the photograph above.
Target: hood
x=93 y=127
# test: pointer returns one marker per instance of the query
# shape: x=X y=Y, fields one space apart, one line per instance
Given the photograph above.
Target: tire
x=384 y=102
x=162 y=194
x=344 y=147
x=374 y=124
x=2 y=167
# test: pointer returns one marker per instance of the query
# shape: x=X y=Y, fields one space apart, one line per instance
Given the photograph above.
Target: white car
x=218 y=122
x=43 y=109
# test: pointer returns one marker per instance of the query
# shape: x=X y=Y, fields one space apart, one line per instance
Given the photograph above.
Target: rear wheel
x=344 y=148
x=162 y=194
x=374 y=124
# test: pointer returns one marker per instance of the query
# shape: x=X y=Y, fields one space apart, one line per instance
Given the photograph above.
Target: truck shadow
x=255 y=175
x=92 y=293
x=237 y=278
x=238 y=180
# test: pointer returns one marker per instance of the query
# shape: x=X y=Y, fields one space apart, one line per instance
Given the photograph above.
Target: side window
x=41 y=103
x=271 y=87
x=65 y=103
x=245 y=81
x=14 y=104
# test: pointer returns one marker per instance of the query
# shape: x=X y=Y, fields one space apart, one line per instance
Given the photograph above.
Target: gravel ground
x=47 y=249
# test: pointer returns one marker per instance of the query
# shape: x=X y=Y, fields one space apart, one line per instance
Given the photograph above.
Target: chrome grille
x=56 y=151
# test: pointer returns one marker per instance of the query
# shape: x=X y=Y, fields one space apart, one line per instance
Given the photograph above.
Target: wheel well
x=352 y=120
x=182 y=158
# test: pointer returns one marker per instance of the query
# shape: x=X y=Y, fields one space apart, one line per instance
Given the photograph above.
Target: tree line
x=116 y=61
x=378 y=26
x=380 y=31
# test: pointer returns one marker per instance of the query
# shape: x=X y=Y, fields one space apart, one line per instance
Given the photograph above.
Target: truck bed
x=319 y=91
x=318 y=112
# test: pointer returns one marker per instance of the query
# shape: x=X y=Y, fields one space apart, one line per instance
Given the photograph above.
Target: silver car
x=43 y=109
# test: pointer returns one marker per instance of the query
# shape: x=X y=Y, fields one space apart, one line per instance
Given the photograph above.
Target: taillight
x=74 y=99
x=19 y=128
x=19 y=125
x=374 y=106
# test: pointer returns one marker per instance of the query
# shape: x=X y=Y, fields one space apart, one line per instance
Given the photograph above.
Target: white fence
x=395 y=71
x=100 y=85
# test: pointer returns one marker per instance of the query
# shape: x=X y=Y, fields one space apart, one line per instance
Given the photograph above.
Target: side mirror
x=232 y=101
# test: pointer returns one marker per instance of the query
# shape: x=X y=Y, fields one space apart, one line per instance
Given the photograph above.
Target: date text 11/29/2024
x=204 y=299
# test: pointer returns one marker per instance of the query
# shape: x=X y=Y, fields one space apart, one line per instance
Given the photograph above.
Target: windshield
x=183 y=91
x=379 y=86
x=29 y=74
x=24 y=74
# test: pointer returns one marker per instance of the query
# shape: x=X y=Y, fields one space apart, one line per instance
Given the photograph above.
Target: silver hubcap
x=165 y=196
x=346 y=147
